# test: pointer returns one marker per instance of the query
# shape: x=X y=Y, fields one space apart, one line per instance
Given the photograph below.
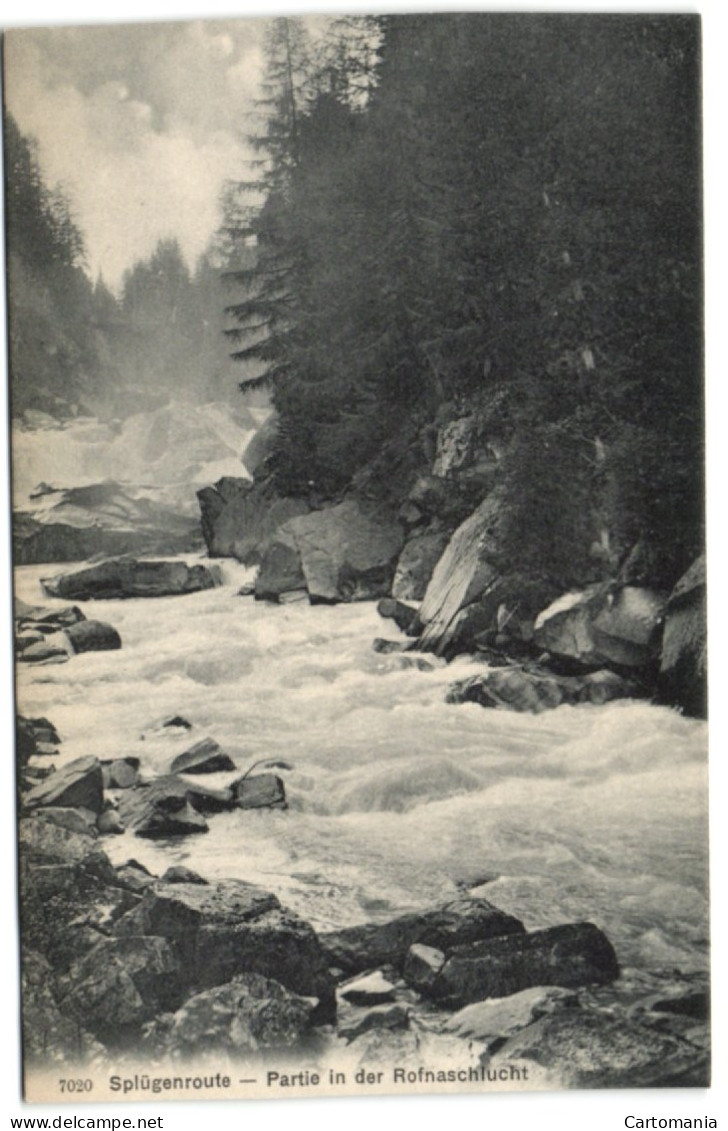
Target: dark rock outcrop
x=603 y=625
x=240 y=519
x=130 y=577
x=572 y=955
x=205 y=757
x=137 y=806
x=280 y=570
x=683 y=661
x=93 y=636
x=171 y=817
x=77 y=785
x=518 y=689
x=464 y=920
x=416 y=564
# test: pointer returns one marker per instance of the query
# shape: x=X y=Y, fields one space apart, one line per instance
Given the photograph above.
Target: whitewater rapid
x=397 y=799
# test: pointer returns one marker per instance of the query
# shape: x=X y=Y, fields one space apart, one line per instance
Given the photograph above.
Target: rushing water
x=396 y=797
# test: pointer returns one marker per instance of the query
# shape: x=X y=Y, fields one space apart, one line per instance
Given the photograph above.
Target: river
x=396 y=797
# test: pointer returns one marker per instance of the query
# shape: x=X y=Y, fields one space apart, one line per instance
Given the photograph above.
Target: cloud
x=141 y=125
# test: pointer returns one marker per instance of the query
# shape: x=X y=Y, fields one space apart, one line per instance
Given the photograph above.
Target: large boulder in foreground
x=130 y=577
x=348 y=552
x=229 y=928
x=571 y=955
x=459 y=921
x=683 y=660
x=240 y=519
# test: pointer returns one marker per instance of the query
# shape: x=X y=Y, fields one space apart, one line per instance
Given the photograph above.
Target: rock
x=80 y=821
x=93 y=636
x=463 y=920
x=421 y=966
x=122 y=982
x=121 y=773
x=387 y=1017
x=129 y=577
x=134 y=877
x=138 y=804
x=592 y=1050
x=247 y=589
x=176 y=721
x=687 y=1005
x=372 y=989
x=50 y=1035
x=231 y=928
x=293 y=597
x=59 y=618
x=416 y=564
x=260 y=791
x=457 y=446
x=26 y=639
x=79 y=784
x=682 y=681
x=280 y=571
x=101 y=518
x=205 y=757
x=388 y=647
x=55 y=647
x=402 y=615
x=515 y=689
x=171 y=816
x=348 y=552
x=575 y=954
x=109 y=823
x=602 y=625
x=498 y=1018
x=240 y=519
x=178 y=874
x=244 y=1015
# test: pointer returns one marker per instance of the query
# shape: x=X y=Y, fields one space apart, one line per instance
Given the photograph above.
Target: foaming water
x=395 y=797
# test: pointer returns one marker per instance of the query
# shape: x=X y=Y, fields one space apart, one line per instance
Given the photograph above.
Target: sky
x=140 y=124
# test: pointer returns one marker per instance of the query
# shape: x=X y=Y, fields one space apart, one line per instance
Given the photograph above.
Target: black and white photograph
x=356 y=376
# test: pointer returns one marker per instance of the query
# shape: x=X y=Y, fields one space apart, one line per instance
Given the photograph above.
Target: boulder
x=457 y=446
x=134 y=877
x=421 y=966
x=584 y=1049
x=109 y=823
x=516 y=689
x=138 y=804
x=93 y=636
x=348 y=552
x=463 y=920
x=260 y=791
x=24 y=640
x=416 y=564
x=402 y=615
x=498 y=1018
x=130 y=577
x=79 y=784
x=240 y=520
x=388 y=647
x=572 y=955
x=246 y=1014
x=121 y=773
x=231 y=928
x=75 y=820
x=280 y=571
x=371 y=989
x=121 y=983
x=179 y=874
x=44 y=614
x=603 y=625
x=171 y=816
x=205 y=757
x=55 y=647
x=682 y=681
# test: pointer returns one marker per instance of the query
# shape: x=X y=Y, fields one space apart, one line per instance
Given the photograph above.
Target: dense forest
x=74 y=345
x=496 y=217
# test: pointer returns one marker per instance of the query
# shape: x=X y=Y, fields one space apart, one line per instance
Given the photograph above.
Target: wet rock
x=572 y=955
x=421 y=966
x=386 y=1017
x=499 y=1018
x=130 y=577
x=372 y=989
x=137 y=805
x=26 y=639
x=348 y=552
x=171 y=817
x=260 y=791
x=248 y=1013
x=109 y=823
x=179 y=874
x=388 y=647
x=231 y=928
x=122 y=982
x=416 y=565
x=55 y=647
x=44 y=614
x=682 y=680
x=687 y=1005
x=592 y=1050
x=516 y=689
x=79 y=784
x=241 y=519
x=402 y=615
x=603 y=625
x=50 y=1034
x=205 y=757
x=459 y=921
x=176 y=721
x=280 y=571
x=93 y=636
x=121 y=773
